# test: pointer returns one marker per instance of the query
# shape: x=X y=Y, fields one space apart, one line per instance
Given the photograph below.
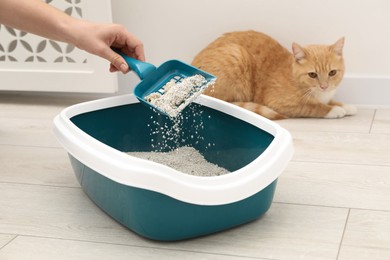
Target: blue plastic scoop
x=153 y=80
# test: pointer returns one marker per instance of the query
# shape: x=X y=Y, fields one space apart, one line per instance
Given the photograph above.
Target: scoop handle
x=142 y=69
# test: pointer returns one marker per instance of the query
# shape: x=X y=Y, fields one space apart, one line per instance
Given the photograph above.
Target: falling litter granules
x=184 y=159
x=183 y=130
x=175 y=96
x=187 y=129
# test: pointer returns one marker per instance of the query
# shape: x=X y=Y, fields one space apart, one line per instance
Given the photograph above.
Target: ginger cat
x=255 y=72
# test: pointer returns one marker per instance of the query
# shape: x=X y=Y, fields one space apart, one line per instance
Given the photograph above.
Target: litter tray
x=161 y=203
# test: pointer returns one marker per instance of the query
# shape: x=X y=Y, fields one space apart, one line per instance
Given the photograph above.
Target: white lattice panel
x=32 y=63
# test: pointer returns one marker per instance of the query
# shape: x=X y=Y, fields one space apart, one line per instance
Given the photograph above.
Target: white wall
x=179 y=29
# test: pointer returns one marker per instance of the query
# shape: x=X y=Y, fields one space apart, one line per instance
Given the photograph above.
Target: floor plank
x=347 y=148
x=359 y=123
x=381 y=123
x=60 y=249
x=36 y=165
x=367 y=236
x=27 y=132
x=335 y=185
x=5 y=239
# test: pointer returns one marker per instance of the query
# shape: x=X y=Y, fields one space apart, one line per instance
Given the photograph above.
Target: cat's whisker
x=306 y=96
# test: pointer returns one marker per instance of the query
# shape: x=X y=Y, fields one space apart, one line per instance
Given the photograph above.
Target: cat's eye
x=312 y=75
x=332 y=73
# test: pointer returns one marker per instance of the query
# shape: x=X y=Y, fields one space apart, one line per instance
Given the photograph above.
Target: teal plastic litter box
x=161 y=203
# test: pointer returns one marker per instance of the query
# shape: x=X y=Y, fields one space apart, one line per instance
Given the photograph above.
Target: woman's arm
x=39 y=18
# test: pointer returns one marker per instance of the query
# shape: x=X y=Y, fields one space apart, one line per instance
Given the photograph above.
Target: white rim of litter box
x=136 y=172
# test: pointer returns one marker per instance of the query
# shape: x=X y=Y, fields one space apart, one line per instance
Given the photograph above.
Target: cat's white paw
x=336 y=112
x=350 y=110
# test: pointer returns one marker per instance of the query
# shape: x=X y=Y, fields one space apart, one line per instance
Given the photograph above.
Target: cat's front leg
x=350 y=110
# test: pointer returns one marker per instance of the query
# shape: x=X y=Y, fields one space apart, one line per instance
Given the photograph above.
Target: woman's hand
x=99 y=38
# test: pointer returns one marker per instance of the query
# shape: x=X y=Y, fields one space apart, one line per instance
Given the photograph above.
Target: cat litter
x=184 y=159
x=174 y=96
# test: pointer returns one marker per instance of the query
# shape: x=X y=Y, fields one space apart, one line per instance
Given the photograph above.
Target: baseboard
x=364 y=90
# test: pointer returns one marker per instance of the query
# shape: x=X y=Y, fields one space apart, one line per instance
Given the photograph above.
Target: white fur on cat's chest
x=324 y=97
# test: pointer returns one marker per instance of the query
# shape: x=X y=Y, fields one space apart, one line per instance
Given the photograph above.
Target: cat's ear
x=299 y=53
x=337 y=47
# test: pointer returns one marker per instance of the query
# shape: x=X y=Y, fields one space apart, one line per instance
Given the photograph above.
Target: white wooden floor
x=332 y=202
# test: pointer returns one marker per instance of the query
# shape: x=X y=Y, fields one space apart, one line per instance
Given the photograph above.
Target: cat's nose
x=324 y=85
